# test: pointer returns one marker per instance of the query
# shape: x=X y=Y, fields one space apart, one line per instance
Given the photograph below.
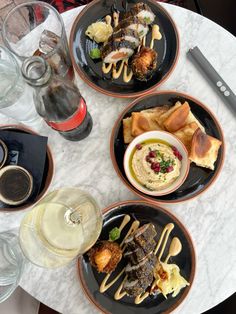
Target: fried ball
x=105 y=256
x=144 y=63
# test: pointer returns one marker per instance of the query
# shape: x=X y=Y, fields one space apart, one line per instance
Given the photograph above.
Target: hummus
x=155 y=165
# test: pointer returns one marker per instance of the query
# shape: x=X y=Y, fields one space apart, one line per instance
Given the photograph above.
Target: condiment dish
x=173 y=170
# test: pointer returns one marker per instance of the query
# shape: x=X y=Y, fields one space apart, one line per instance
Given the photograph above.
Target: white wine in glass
x=64 y=224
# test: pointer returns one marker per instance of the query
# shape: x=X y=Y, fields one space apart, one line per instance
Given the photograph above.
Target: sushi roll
x=126 y=34
x=143 y=12
x=134 y=24
x=115 y=51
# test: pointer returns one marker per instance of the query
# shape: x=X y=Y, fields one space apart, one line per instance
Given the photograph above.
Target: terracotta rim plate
x=145 y=212
x=90 y=71
x=48 y=169
x=199 y=179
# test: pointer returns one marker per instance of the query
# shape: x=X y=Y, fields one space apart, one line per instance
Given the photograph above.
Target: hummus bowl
x=156 y=163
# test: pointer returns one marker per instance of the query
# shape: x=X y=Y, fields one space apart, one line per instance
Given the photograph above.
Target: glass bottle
x=57 y=100
x=64 y=224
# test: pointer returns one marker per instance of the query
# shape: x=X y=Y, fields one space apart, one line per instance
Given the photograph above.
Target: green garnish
x=114 y=234
x=147 y=20
x=95 y=53
x=141 y=33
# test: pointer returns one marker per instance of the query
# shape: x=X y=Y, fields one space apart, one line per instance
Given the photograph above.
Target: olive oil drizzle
x=116 y=73
x=161 y=244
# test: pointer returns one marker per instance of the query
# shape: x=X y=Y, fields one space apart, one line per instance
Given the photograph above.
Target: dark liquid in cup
x=15 y=185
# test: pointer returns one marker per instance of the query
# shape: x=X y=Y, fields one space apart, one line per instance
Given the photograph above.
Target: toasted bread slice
x=143 y=122
x=186 y=134
x=177 y=119
x=161 y=119
x=204 y=149
x=191 y=118
x=157 y=110
x=127 y=122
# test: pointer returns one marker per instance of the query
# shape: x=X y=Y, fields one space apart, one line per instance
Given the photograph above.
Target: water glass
x=36 y=28
x=16 y=99
x=11 y=264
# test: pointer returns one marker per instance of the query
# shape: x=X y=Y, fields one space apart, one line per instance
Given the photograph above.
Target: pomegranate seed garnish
x=155 y=165
x=156 y=170
x=169 y=169
x=148 y=159
x=138 y=146
x=152 y=154
x=180 y=157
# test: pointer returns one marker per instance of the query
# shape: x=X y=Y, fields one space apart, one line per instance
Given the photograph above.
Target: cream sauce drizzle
x=119 y=294
x=116 y=18
x=104 y=285
x=156 y=35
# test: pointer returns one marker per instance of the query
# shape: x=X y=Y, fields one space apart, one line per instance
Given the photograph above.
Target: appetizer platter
x=143 y=260
x=184 y=118
x=124 y=48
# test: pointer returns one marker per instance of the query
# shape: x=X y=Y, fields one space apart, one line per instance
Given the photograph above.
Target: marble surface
x=210 y=218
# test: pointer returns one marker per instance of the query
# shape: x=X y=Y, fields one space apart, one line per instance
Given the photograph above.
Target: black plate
x=42 y=177
x=145 y=213
x=199 y=179
x=90 y=71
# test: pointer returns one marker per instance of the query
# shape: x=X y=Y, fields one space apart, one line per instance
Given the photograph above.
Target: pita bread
x=204 y=149
x=128 y=138
x=191 y=118
x=186 y=134
x=143 y=122
x=161 y=119
x=177 y=119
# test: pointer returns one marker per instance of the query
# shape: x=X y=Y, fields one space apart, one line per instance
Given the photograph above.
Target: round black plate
x=47 y=172
x=199 y=179
x=145 y=213
x=90 y=71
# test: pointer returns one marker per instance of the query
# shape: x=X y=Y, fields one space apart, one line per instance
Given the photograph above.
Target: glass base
x=11 y=264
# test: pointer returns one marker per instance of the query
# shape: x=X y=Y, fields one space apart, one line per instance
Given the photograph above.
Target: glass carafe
x=64 y=224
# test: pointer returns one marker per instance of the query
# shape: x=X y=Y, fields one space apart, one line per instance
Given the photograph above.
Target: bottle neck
x=36 y=71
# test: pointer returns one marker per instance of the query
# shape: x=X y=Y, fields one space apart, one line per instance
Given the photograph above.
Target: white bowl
x=173 y=141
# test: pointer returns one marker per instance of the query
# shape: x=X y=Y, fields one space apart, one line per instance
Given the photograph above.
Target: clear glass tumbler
x=63 y=225
x=36 y=28
x=11 y=264
x=16 y=99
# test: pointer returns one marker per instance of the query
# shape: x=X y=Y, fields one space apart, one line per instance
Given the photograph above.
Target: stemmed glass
x=61 y=226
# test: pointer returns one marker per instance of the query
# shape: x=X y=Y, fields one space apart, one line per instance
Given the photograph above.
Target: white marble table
x=209 y=218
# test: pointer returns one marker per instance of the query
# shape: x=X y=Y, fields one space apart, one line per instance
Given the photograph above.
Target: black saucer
x=199 y=179
x=90 y=71
x=144 y=212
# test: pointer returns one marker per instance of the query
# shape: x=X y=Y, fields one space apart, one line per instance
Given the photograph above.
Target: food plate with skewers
x=144 y=260
x=124 y=48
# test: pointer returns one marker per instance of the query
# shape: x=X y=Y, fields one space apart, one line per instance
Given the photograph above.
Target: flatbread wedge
x=128 y=138
x=185 y=134
x=161 y=119
x=204 y=149
x=177 y=119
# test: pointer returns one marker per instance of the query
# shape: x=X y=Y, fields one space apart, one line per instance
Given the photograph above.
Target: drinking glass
x=16 y=99
x=64 y=224
x=11 y=264
x=36 y=28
